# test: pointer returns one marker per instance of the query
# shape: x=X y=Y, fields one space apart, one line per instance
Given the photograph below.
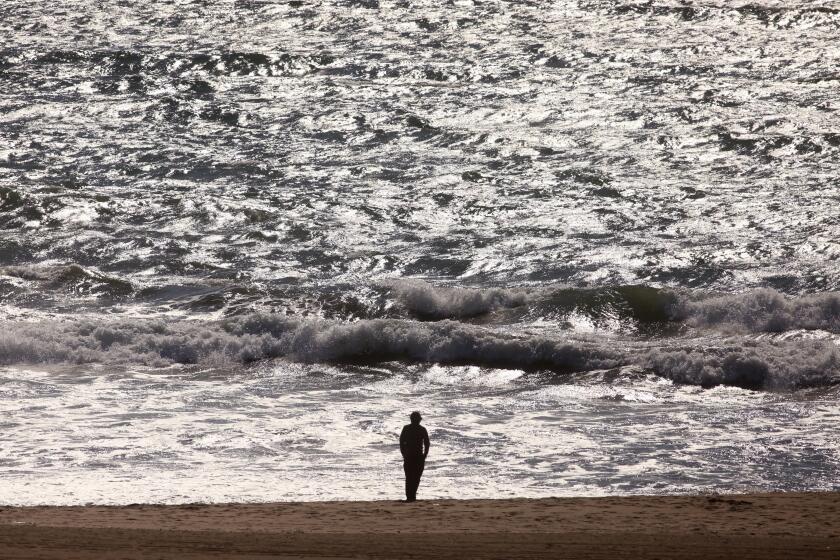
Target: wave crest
x=631 y=306
x=751 y=365
x=72 y=278
x=764 y=311
x=742 y=362
x=426 y=301
x=259 y=337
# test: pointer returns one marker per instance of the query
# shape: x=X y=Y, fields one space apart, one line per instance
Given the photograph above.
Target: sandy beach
x=763 y=526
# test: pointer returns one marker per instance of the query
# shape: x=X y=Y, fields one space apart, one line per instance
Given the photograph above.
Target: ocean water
x=594 y=242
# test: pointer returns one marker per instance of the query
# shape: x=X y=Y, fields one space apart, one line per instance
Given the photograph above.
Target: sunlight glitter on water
x=289 y=432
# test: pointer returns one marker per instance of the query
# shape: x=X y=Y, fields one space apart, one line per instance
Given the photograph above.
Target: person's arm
x=426 y=443
x=403 y=442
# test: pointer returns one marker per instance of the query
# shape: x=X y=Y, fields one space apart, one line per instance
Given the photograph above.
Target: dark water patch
x=684 y=13
x=62 y=57
x=10 y=199
x=832 y=139
x=211 y=296
x=791 y=16
x=614 y=220
x=12 y=252
x=765 y=144
x=16 y=208
x=557 y=62
x=606 y=192
x=584 y=176
x=431 y=265
x=768 y=15
x=693 y=193
x=331 y=136
x=472 y=177
x=420 y=127
x=370 y=70
x=437 y=75
x=213 y=301
x=72 y=278
x=250 y=64
x=170 y=109
x=222 y=115
x=23 y=162
x=149 y=62
x=511 y=163
x=821 y=76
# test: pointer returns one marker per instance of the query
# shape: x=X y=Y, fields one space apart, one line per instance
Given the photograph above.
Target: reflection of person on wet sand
x=414 y=446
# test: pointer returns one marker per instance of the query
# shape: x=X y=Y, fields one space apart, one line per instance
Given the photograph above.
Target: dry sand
x=762 y=526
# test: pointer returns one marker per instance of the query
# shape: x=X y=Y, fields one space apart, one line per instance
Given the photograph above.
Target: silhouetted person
x=414 y=446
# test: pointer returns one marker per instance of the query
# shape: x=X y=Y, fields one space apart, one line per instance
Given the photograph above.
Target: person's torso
x=413 y=436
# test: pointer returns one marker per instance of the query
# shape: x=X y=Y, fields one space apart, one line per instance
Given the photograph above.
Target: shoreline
x=766 y=525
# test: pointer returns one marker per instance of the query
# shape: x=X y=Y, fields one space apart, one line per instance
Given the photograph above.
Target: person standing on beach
x=414 y=446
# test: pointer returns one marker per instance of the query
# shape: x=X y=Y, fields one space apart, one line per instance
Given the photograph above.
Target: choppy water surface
x=594 y=241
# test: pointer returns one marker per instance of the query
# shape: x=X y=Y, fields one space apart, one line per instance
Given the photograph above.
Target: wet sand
x=762 y=526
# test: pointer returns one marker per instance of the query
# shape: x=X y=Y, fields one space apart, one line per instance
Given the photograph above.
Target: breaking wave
x=742 y=362
x=757 y=311
x=638 y=304
x=259 y=337
x=426 y=301
x=629 y=309
x=750 y=364
x=765 y=311
x=72 y=278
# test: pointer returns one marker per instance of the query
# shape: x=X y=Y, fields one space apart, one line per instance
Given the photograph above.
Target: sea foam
x=755 y=311
x=742 y=361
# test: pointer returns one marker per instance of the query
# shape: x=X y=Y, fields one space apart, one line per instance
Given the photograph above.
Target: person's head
x=415 y=417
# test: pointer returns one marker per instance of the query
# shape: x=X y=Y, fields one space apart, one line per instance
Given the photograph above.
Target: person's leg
x=415 y=482
x=421 y=464
x=408 y=479
x=412 y=479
